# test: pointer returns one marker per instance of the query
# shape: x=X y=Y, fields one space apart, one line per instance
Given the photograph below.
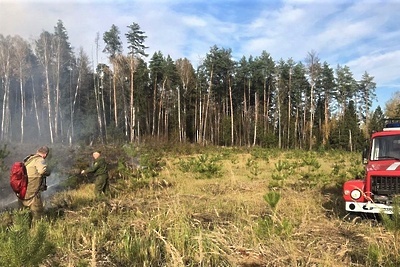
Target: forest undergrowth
x=201 y=206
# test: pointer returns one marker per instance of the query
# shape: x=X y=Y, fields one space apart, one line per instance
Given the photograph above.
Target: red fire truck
x=374 y=194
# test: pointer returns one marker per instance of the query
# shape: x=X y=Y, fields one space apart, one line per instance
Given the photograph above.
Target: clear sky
x=362 y=34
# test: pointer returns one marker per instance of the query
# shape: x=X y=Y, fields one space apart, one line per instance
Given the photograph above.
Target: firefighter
x=99 y=169
x=37 y=171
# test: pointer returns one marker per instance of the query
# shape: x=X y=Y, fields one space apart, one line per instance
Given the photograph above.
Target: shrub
x=21 y=245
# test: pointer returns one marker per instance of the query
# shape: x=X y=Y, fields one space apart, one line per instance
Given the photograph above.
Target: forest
x=50 y=94
x=228 y=163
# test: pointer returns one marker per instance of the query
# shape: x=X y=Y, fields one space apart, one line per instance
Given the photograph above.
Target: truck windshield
x=386 y=147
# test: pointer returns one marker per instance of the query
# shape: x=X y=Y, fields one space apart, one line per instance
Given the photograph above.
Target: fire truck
x=374 y=193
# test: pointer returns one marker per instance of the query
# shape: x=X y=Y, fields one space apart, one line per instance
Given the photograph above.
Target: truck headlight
x=355 y=194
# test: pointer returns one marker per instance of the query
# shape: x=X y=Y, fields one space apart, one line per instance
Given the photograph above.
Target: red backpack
x=19 y=179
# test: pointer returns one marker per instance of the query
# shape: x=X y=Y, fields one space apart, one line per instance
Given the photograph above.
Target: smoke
x=9 y=200
x=54 y=184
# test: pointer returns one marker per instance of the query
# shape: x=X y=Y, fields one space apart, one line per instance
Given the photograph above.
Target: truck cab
x=374 y=194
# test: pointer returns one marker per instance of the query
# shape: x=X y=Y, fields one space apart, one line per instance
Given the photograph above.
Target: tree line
x=48 y=93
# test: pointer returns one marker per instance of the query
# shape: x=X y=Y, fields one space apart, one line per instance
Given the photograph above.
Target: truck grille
x=385 y=185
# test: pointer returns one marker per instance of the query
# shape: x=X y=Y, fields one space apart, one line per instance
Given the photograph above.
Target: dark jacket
x=99 y=167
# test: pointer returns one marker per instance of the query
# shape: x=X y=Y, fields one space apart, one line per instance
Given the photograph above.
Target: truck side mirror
x=365 y=156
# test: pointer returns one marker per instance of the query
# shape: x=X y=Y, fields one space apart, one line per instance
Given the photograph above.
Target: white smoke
x=54 y=183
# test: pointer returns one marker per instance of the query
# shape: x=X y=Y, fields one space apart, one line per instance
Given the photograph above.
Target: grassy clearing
x=216 y=207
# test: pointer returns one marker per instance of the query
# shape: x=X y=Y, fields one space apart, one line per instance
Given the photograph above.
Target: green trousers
x=101 y=184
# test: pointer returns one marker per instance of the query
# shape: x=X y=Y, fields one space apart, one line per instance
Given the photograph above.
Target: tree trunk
x=35 y=107
x=97 y=100
x=326 y=122
x=22 y=103
x=207 y=107
x=255 y=117
x=115 y=96
x=161 y=108
x=179 y=114
x=311 y=115
x=46 y=64
x=132 y=107
x=232 y=112
x=289 y=108
x=6 y=71
x=57 y=82
x=153 y=129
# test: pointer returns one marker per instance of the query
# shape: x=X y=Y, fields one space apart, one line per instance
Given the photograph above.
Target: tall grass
x=216 y=207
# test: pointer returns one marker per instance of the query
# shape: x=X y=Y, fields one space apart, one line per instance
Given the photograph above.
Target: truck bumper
x=368 y=207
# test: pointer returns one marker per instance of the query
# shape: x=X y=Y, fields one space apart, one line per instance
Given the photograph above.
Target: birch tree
x=22 y=52
x=5 y=74
x=267 y=67
x=82 y=69
x=187 y=77
x=63 y=61
x=44 y=53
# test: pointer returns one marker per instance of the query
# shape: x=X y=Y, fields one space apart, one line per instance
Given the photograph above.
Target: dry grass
x=183 y=219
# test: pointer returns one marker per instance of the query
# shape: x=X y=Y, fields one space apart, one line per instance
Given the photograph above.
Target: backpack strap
x=29 y=159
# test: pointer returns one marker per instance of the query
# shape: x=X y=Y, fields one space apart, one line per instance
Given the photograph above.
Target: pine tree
x=135 y=38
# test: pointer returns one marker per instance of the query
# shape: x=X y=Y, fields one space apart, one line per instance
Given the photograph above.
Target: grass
x=217 y=207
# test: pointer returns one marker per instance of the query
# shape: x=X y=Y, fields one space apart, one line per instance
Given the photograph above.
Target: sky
x=361 y=34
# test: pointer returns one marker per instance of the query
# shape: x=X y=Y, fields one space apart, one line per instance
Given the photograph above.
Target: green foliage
x=262 y=153
x=356 y=169
x=135 y=38
x=267 y=227
x=268 y=140
x=273 y=225
x=335 y=169
x=204 y=165
x=392 y=222
x=310 y=180
x=72 y=182
x=112 y=41
x=254 y=168
x=22 y=246
x=150 y=165
x=207 y=224
x=380 y=256
x=283 y=165
x=272 y=198
x=136 y=249
x=347 y=130
x=226 y=131
x=160 y=245
x=311 y=162
x=339 y=169
x=374 y=255
x=377 y=121
x=140 y=174
x=283 y=168
x=124 y=171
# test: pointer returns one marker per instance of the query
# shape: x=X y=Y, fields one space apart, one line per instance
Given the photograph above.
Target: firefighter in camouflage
x=99 y=169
